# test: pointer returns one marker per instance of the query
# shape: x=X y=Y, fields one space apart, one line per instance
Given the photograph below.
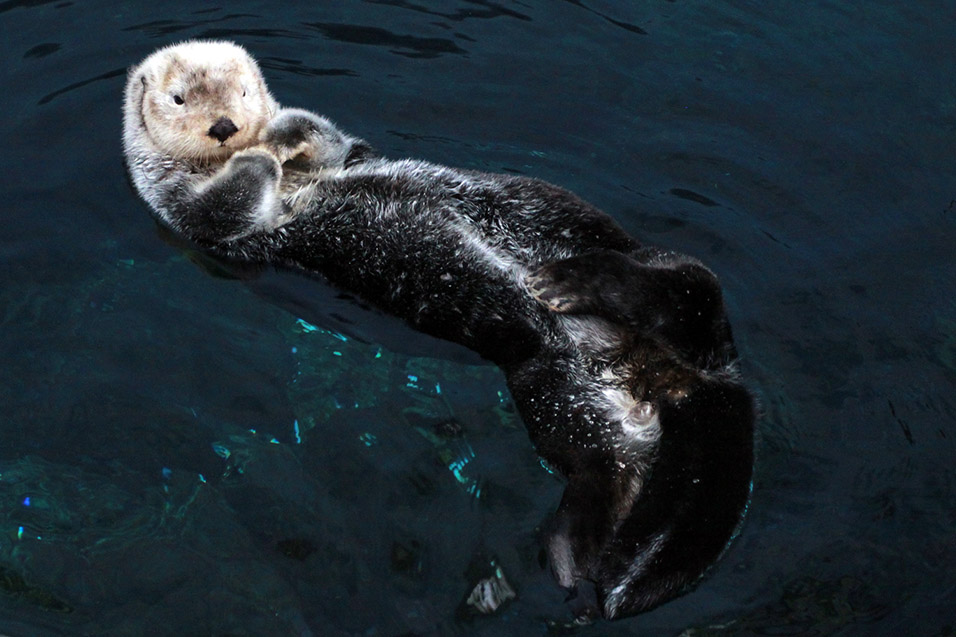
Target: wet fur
x=619 y=357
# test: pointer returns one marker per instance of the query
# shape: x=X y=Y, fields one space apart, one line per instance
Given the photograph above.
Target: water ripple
x=161 y=28
x=491 y=10
x=23 y=4
x=296 y=67
x=407 y=45
x=49 y=97
x=627 y=26
x=42 y=50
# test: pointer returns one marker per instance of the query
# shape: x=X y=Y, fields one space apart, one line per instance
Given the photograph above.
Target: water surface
x=187 y=451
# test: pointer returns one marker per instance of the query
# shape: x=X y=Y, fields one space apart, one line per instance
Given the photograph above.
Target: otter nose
x=223 y=129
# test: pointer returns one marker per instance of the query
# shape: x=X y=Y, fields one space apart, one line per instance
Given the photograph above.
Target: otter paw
x=292 y=133
x=299 y=152
x=258 y=160
x=552 y=286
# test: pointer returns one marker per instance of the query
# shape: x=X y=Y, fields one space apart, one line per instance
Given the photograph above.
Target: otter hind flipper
x=690 y=509
x=652 y=293
x=641 y=547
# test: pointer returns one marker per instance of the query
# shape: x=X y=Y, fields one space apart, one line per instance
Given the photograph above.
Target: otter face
x=202 y=100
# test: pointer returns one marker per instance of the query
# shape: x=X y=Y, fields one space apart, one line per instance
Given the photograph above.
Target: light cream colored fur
x=213 y=80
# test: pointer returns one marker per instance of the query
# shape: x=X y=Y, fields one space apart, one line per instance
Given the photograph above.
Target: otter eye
x=179 y=100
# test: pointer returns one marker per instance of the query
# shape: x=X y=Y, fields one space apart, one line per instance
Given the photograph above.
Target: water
x=187 y=452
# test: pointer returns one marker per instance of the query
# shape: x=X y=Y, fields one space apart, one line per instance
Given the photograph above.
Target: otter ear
x=136 y=84
x=140 y=76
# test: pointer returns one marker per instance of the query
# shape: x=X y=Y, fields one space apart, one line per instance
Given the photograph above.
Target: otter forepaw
x=310 y=142
x=257 y=159
x=295 y=134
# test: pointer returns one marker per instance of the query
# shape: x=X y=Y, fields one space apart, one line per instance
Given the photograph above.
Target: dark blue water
x=187 y=452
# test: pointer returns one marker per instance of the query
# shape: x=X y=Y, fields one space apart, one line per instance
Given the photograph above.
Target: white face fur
x=197 y=100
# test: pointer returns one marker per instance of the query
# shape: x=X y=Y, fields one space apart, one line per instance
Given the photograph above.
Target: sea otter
x=619 y=356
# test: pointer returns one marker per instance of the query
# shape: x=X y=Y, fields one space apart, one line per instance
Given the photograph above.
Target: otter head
x=197 y=100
